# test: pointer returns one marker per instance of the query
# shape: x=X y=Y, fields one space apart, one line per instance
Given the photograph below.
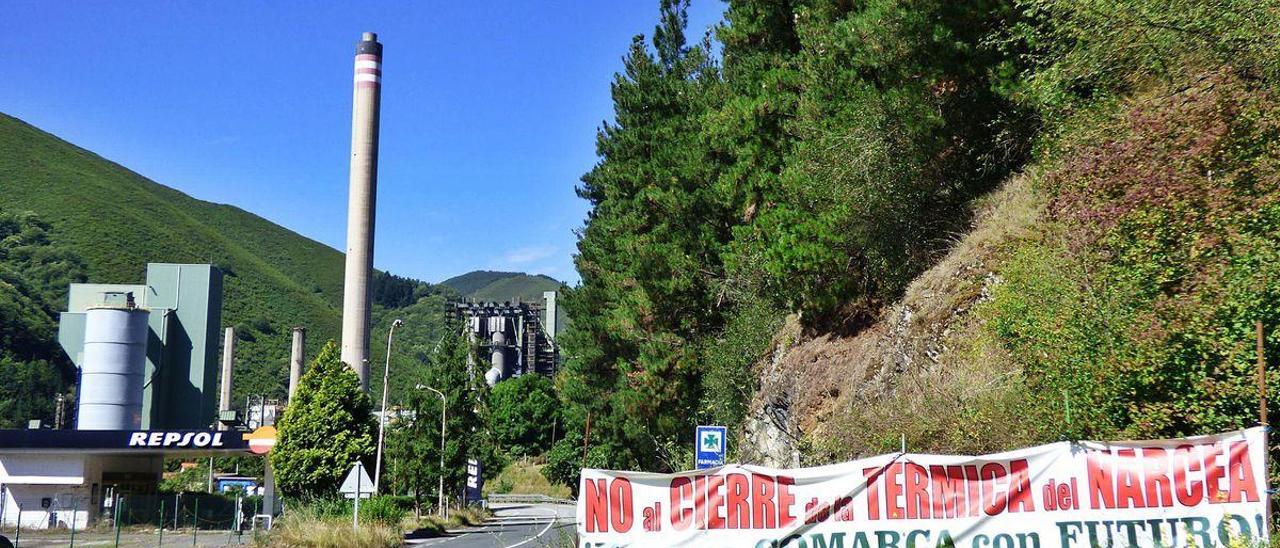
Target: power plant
x=147 y=354
x=362 y=205
x=149 y=384
x=520 y=337
x=171 y=323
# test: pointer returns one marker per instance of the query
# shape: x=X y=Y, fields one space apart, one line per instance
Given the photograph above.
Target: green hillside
x=118 y=221
x=488 y=285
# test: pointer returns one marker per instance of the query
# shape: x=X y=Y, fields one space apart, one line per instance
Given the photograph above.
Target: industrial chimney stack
x=361 y=205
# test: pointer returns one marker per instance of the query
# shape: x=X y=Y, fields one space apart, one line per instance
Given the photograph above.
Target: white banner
x=1205 y=491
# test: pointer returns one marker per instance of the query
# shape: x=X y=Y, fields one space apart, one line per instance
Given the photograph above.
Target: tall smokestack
x=296 y=358
x=228 y=361
x=361 y=205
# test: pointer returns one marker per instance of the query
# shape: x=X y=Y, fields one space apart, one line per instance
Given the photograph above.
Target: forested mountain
x=70 y=215
x=488 y=285
x=927 y=217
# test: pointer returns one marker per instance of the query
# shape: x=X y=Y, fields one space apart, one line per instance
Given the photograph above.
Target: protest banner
x=1203 y=491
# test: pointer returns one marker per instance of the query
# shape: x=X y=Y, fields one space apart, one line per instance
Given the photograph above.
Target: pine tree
x=648 y=255
x=898 y=125
x=327 y=427
x=466 y=432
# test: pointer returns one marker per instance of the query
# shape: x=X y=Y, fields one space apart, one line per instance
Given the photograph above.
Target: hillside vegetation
x=113 y=222
x=492 y=286
x=977 y=224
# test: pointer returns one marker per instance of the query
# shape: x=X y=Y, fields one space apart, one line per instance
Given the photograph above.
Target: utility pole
x=444 y=406
x=1262 y=374
x=382 y=420
x=1262 y=412
x=586 y=440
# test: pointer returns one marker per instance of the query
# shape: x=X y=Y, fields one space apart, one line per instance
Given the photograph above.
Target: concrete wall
x=73 y=484
x=28 y=479
x=68 y=505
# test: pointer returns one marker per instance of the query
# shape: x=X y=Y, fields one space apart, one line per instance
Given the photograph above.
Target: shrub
x=382 y=511
x=1138 y=307
x=304 y=527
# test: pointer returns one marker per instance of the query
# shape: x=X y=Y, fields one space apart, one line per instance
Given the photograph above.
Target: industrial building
x=147 y=356
x=519 y=337
x=147 y=391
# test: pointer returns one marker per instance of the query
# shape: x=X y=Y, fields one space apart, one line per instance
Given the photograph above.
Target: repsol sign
x=198 y=440
x=128 y=441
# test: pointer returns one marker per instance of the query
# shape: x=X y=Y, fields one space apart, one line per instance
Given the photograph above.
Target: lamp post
x=382 y=420
x=443 y=407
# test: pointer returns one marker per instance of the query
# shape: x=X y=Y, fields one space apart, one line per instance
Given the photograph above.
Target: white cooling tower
x=111 y=378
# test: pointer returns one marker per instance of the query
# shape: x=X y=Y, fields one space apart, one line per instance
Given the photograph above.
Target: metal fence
x=183 y=511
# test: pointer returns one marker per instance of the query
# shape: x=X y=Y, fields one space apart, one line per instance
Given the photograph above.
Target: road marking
x=555 y=517
x=437 y=540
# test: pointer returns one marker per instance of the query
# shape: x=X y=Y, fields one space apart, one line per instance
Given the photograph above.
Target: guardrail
x=526 y=499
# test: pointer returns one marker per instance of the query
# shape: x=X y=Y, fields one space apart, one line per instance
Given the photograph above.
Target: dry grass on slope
x=923 y=371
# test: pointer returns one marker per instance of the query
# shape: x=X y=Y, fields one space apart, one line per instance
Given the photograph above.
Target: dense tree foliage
x=835 y=149
x=326 y=428
x=392 y=291
x=34 y=277
x=818 y=169
x=524 y=414
x=413 y=456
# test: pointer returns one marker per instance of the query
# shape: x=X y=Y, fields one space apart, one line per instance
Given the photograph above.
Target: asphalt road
x=513 y=526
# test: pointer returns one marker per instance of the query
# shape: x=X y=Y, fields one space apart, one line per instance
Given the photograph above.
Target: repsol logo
x=175 y=439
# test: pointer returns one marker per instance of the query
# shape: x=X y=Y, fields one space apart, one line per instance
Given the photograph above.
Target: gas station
x=147 y=392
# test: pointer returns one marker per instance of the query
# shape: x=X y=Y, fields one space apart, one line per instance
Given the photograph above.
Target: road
x=513 y=526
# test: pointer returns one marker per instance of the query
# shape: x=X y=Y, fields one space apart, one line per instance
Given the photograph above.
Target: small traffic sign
x=710 y=444
x=357 y=483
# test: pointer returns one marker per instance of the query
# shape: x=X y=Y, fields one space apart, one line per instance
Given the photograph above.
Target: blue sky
x=489 y=111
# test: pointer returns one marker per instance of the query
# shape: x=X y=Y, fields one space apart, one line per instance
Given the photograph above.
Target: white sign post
x=354 y=487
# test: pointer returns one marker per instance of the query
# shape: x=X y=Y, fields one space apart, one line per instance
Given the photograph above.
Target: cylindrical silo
x=111 y=375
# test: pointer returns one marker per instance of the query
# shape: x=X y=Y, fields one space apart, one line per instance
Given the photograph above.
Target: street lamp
x=382 y=420
x=443 y=406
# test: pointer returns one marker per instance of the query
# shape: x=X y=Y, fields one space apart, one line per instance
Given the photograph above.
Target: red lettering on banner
x=785 y=499
x=737 y=509
x=971 y=477
x=715 y=502
x=596 y=495
x=1020 y=499
x=1213 y=473
x=917 y=491
x=1155 y=472
x=1243 y=486
x=948 y=491
x=993 y=500
x=1118 y=479
x=893 y=491
x=1128 y=487
x=700 y=501
x=1190 y=474
x=1101 y=490
x=620 y=505
x=680 y=491
x=764 y=513
x=843 y=510
x=1186 y=458
x=871 y=475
